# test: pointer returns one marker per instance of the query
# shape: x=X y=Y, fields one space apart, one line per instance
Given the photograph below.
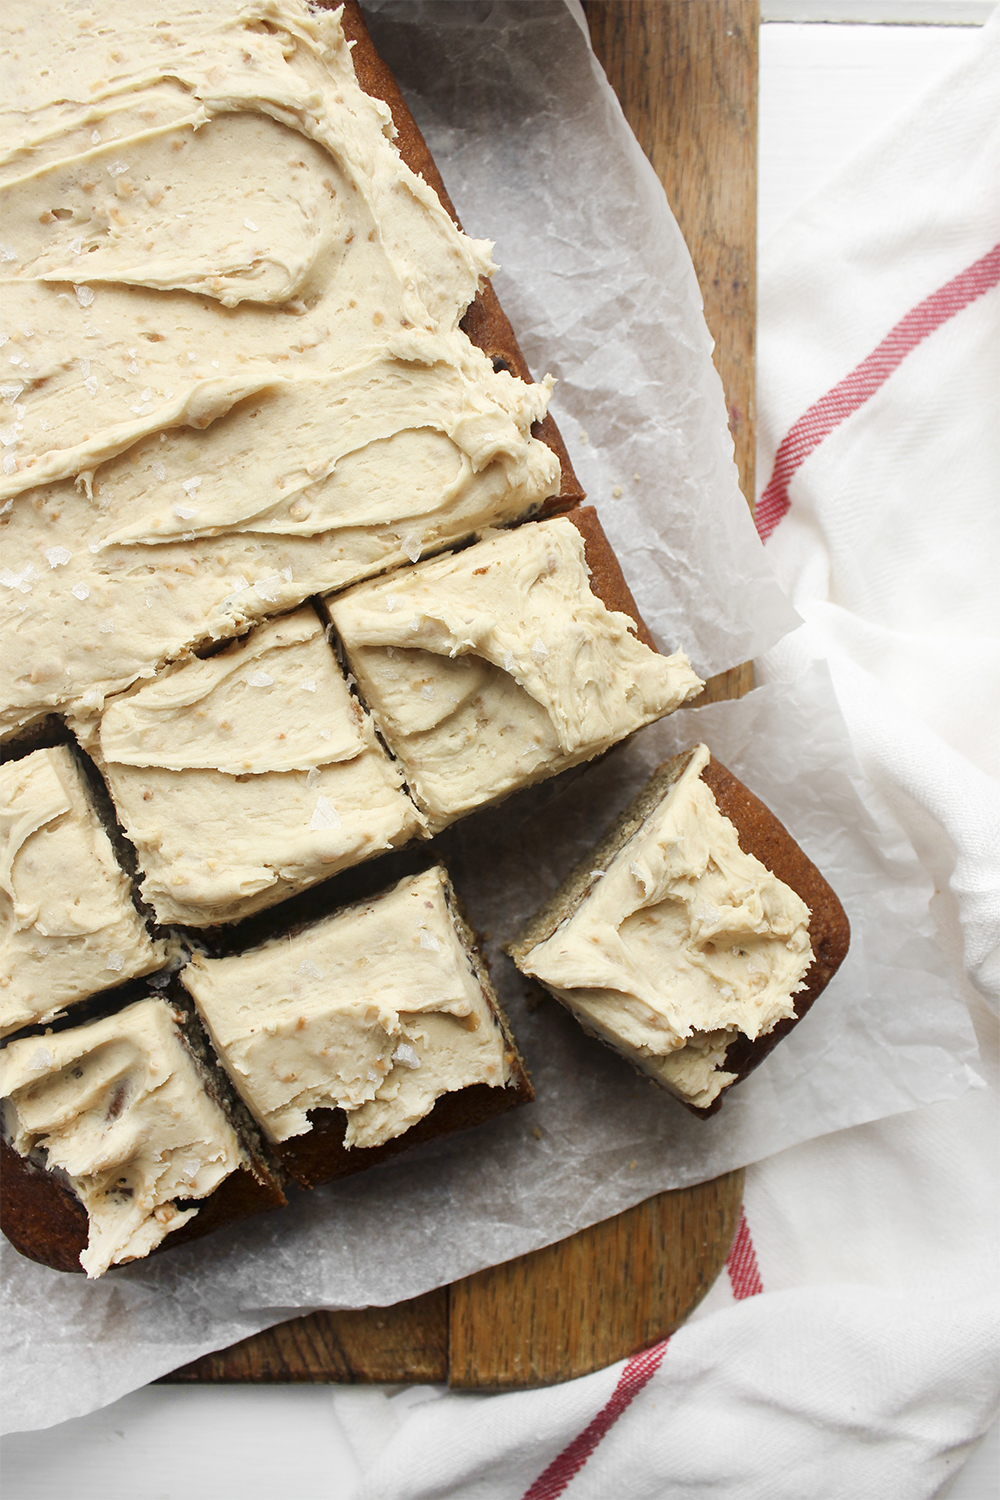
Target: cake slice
x=492 y=668
x=248 y=776
x=343 y=1036
x=693 y=937
x=112 y=1141
x=69 y=925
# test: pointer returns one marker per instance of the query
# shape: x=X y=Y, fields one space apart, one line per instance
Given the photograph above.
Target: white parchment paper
x=601 y=283
x=599 y=286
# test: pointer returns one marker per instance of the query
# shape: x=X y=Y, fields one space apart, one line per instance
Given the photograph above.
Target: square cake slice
x=374 y=1013
x=250 y=775
x=693 y=937
x=118 y=1108
x=70 y=927
x=497 y=666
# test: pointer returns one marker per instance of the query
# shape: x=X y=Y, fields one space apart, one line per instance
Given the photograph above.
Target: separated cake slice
x=249 y=775
x=110 y=1133
x=69 y=925
x=341 y=1037
x=497 y=666
x=694 y=936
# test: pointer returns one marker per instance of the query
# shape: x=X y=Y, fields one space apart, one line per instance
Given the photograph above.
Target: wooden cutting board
x=686 y=74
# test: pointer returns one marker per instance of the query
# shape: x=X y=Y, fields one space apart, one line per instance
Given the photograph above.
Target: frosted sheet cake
x=229 y=393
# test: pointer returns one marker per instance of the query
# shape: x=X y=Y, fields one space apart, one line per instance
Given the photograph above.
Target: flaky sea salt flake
x=429 y=941
x=260 y=678
x=19 y=581
x=269 y=588
x=405 y=1054
x=84 y=295
x=324 y=816
x=58 y=557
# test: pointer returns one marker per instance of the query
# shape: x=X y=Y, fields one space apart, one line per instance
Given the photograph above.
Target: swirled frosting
x=375 y=1010
x=248 y=776
x=498 y=666
x=682 y=944
x=232 y=371
x=68 y=927
x=118 y=1106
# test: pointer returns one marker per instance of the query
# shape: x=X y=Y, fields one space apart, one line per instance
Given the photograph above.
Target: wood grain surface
x=598 y=1296
x=686 y=74
x=406 y=1342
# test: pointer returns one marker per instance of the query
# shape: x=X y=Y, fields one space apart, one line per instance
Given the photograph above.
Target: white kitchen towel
x=852 y=1347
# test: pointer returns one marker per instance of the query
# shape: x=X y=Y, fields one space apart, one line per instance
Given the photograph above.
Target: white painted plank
x=180 y=1443
x=880 y=12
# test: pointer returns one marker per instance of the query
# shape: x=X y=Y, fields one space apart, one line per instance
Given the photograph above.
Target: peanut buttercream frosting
x=683 y=943
x=68 y=925
x=248 y=776
x=224 y=389
x=119 y=1107
x=497 y=666
x=376 y=1010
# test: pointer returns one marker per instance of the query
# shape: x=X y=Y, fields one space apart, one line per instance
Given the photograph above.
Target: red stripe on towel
x=638 y=1370
x=744 y=1275
x=741 y=1263
x=828 y=413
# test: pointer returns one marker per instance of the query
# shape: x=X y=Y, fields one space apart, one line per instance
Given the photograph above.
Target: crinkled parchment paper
x=598 y=283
